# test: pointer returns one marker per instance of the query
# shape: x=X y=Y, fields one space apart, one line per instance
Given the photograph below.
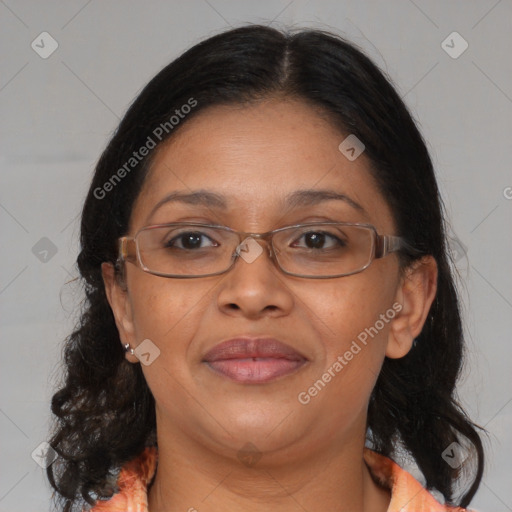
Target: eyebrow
x=299 y=198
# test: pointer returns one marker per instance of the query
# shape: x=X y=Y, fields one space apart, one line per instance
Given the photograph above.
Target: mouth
x=250 y=360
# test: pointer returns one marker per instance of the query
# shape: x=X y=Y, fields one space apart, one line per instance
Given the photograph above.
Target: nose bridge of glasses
x=250 y=244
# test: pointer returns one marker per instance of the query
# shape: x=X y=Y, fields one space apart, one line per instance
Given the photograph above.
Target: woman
x=271 y=317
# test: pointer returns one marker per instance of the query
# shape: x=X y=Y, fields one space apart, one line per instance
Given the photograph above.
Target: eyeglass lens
x=318 y=250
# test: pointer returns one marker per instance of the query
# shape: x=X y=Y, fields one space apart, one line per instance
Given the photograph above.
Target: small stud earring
x=128 y=348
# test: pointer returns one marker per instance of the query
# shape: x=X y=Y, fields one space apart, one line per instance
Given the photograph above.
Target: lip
x=254 y=360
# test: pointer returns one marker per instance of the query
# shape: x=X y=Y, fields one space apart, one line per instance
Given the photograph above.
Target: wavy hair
x=105 y=412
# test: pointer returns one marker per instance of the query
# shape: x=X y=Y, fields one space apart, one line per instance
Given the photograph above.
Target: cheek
x=354 y=343
x=165 y=310
x=168 y=313
x=354 y=317
x=355 y=303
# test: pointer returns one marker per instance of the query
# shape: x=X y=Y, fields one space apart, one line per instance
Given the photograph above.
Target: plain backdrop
x=57 y=114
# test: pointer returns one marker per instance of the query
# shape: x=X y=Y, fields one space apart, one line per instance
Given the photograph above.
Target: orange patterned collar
x=407 y=494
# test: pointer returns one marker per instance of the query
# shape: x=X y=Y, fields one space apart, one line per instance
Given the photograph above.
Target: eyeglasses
x=317 y=250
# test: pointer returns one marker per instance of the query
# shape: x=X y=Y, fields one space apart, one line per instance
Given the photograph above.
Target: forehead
x=255 y=161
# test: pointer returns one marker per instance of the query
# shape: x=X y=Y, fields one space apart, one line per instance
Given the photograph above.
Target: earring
x=128 y=348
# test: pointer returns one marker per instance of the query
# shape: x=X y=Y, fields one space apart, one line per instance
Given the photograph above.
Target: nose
x=254 y=286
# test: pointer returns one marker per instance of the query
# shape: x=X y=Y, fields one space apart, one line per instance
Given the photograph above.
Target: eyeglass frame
x=128 y=247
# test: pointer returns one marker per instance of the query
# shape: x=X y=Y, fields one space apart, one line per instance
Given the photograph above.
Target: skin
x=311 y=456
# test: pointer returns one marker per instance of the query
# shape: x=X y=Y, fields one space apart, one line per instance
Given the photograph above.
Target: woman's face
x=255 y=157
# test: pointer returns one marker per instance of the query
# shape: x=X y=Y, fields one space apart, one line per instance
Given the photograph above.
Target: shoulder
x=407 y=494
x=133 y=481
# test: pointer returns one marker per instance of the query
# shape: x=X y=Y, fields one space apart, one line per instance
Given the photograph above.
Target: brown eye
x=189 y=240
x=319 y=239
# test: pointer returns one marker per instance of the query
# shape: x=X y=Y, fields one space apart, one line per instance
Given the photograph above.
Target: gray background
x=58 y=113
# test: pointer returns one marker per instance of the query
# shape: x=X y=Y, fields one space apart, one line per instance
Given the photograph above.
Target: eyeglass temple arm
x=390 y=243
x=126 y=250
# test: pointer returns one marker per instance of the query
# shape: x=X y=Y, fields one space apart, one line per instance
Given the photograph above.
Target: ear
x=415 y=294
x=118 y=299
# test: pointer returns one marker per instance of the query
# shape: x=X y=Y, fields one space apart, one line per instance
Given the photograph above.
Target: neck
x=191 y=478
